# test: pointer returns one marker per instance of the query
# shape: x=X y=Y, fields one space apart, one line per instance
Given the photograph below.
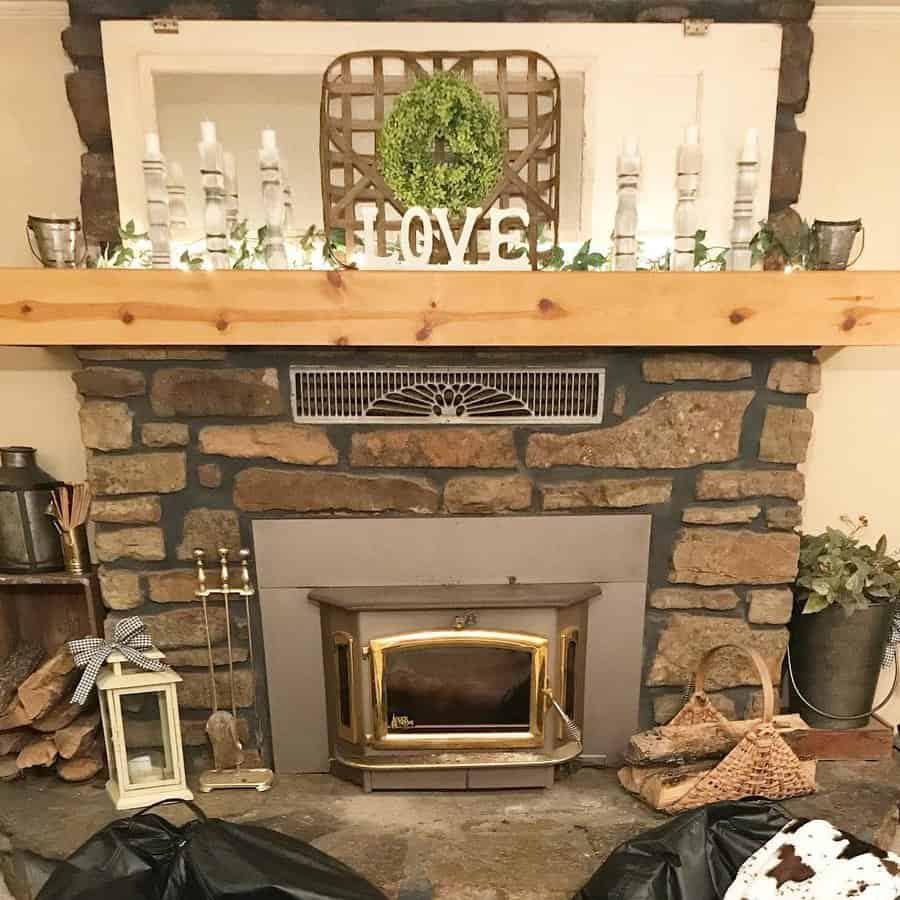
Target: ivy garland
x=442 y=107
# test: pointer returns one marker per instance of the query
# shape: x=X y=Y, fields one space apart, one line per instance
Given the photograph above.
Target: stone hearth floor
x=504 y=845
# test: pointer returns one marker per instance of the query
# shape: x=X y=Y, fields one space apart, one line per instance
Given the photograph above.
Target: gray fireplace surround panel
x=530 y=557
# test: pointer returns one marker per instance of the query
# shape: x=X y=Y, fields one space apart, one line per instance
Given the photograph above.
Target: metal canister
x=834 y=243
x=29 y=542
x=56 y=243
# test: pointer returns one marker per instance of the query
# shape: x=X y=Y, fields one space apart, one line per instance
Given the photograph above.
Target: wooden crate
x=48 y=609
x=358 y=91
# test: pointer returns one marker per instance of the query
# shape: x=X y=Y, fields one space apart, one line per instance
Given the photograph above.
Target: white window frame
x=602 y=53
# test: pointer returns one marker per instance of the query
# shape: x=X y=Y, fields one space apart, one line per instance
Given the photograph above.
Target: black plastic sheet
x=146 y=857
x=695 y=856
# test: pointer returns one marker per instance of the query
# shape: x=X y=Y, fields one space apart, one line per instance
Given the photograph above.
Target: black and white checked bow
x=129 y=638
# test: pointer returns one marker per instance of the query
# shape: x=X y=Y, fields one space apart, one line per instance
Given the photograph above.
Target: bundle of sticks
x=39 y=727
x=71 y=505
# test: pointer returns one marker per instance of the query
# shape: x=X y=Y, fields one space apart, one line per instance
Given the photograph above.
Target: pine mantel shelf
x=436 y=308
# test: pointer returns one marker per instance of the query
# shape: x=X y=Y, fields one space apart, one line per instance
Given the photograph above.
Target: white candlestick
x=273 y=201
x=628 y=174
x=743 y=226
x=687 y=184
x=156 y=189
x=178 y=214
x=212 y=164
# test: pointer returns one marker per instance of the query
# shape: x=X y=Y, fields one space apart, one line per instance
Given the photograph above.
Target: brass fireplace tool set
x=222 y=726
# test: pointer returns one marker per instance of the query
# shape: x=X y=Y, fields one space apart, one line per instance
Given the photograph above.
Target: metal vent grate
x=451 y=394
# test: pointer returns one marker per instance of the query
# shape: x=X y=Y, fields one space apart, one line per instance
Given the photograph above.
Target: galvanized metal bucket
x=834 y=242
x=835 y=662
x=59 y=242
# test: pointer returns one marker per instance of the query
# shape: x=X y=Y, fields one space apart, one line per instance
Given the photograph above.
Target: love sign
x=419 y=256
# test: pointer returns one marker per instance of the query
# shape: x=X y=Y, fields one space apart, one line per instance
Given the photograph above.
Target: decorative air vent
x=451 y=394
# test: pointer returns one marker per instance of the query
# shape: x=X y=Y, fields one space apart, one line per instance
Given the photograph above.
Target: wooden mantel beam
x=436 y=308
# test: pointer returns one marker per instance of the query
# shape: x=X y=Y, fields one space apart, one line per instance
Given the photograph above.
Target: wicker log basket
x=762 y=764
x=358 y=90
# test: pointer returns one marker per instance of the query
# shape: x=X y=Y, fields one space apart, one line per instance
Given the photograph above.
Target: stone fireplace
x=201 y=448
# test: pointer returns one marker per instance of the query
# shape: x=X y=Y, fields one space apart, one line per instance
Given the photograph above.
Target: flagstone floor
x=504 y=845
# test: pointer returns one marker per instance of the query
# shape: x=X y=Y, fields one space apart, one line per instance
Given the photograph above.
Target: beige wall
x=853 y=131
x=40 y=174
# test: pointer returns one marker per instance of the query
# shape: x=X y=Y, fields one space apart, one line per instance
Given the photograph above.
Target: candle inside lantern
x=750 y=151
x=176 y=173
x=208 y=132
x=692 y=134
x=230 y=167
x=151 y=144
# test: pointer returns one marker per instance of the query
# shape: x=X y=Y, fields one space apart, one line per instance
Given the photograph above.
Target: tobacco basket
x=761 y=765
x=358 y=90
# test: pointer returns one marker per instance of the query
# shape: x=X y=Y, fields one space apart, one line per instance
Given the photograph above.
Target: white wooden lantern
x=146 y=759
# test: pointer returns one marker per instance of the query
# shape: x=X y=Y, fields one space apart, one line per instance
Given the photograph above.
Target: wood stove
x=428 y=653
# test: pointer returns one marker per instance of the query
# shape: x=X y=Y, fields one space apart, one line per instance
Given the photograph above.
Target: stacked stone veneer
x=188 y=446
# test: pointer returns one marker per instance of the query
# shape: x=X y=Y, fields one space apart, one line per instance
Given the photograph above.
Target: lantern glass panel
x=107 y=705
x=146 y=725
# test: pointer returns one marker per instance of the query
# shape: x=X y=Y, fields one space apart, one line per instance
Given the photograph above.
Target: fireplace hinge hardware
x=366 y=651
x=166 y=25
x=696 y=27
x=469 y=620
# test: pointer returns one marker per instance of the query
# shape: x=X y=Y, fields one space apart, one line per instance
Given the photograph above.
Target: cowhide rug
x=812 y=860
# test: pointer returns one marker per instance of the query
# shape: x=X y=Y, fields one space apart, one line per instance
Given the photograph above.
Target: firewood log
x=684 y=743
x=64 y=713
x=40 y=751
x=83 y=767
x=14 y=741
x=43 y=689
x=9 y=769
x=14 y=716
x=633 y=778
x=24 y=659
x=77 y=737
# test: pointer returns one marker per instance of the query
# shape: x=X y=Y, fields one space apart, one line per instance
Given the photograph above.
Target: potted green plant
x=846 y=593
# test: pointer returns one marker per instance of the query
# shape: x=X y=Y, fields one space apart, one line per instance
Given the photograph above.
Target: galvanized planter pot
x=836 y=661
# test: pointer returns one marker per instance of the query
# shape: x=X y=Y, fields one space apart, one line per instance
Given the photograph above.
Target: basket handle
x=768 y=691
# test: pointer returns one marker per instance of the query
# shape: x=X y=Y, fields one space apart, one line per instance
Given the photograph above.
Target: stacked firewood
x=39 y=725
x=665 y=763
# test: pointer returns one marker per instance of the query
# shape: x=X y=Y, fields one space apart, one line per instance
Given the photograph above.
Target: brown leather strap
x=765 y=678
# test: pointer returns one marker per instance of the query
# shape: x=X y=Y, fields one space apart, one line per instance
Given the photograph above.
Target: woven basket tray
x=358 y=90
x=761 y=765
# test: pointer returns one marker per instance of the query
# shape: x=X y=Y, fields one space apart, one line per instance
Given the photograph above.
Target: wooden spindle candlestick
x=628 y=174
x=687 y=184
x=154 y=166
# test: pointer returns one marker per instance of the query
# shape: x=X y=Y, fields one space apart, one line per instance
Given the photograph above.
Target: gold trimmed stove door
x=459 y=689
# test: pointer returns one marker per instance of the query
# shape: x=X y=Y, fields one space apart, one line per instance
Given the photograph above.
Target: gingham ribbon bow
x=129 y=638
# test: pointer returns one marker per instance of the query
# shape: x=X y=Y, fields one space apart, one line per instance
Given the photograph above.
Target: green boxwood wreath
x=447 y=107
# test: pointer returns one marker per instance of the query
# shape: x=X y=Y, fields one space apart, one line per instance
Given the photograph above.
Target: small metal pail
x=834 y=242
x=56 y=243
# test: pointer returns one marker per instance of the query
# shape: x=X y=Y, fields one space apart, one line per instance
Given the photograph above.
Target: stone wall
x=186 y=447
x=86 y=87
